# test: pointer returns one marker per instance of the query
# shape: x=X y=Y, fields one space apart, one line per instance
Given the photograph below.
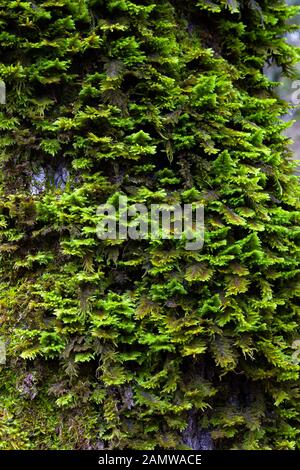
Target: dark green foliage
x=123 y=343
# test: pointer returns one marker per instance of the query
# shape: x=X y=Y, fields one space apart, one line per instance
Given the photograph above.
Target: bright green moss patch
x=140 y=344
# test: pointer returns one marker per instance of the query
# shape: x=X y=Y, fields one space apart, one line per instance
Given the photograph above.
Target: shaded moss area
x=141 y=343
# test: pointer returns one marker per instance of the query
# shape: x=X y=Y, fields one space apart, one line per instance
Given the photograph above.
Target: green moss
x=121 y=344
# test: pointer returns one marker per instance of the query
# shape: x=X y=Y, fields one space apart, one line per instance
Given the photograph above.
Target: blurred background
x=287 y=91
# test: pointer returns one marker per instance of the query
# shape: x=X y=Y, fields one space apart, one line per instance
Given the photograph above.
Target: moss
x=129 y=343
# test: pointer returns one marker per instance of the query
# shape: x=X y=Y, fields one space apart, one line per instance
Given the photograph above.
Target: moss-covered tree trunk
x=142 y=343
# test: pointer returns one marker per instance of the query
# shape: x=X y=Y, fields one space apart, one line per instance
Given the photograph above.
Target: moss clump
x=144 y=344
